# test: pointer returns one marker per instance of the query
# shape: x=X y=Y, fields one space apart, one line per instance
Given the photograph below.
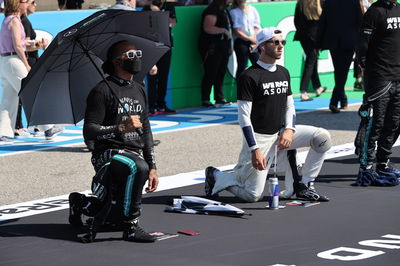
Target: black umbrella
x=56 y=88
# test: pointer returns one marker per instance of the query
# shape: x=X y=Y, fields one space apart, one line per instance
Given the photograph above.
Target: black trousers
x=385 y=126
x=215 y=63
x=310 y=71
x=341 y=59
x=124 y=181
x=243 y=54
x=157 y=84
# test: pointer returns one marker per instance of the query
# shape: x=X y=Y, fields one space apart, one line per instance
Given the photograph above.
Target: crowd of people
x=123 y=146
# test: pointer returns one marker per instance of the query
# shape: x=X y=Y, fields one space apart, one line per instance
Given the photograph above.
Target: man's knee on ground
x=321 y=141
x=251 y=197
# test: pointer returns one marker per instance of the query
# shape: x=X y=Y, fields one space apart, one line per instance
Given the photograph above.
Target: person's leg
x=129 y=173
x=163 y=72
x=319 y=142
x=219 y=79
x=309 y=66
x=241 y=51
x=390 y=128
x=18 y=121
x=211 y=64
x=13 y=71
x=245 y=182
x=341 y=60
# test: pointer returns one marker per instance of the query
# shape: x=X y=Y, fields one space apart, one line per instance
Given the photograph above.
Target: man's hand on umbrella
x=130 y=124
x=153 y=181
x=153 y=71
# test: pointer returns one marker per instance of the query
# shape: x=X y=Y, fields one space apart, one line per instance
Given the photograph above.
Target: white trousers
x=247 y=183
x=12 y=71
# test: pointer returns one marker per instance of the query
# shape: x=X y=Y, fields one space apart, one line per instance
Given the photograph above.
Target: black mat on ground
x=290 y=236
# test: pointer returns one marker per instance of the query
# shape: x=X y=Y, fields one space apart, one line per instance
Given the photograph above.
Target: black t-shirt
x=268 y=93
x=30 y=32
x=104 y=114
x=223 y=21
x=383 y=55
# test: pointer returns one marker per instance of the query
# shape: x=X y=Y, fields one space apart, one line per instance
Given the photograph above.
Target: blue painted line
x=160 y=123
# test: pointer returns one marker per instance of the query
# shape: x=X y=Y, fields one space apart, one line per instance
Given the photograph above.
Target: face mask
x=132 y=66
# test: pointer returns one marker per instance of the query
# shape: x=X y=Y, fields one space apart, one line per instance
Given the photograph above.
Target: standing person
x=32 y=46
x=306 y=19
x=158 y=83
x=123 y=152
x=378 y=52
x=245 y=24
x=215 y=48
x=338 y=30
x=70 y=4
x=13 y=66
x=266 y=116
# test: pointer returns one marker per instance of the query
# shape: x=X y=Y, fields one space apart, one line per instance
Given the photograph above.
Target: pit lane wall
x=186 y=67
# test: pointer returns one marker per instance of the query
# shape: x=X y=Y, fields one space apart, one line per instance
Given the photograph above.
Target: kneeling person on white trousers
x=247 y=183
x=266 y=115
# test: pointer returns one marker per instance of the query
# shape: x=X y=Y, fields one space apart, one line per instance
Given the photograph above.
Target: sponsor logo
x=277 y=87
x=393 y=23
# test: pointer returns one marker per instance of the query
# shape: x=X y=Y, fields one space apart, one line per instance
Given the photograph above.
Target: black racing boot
x=88 y=238
x=134 y=233
x=75 y=209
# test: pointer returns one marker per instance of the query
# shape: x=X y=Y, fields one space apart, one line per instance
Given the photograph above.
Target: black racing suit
x=121 y=160
x=379 y=52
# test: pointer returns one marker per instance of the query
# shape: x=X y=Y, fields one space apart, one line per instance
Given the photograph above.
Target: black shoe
x=223 y=102
x=309 y=193
x=75 y=209
x=53 y=132
x=334 y=109
x=153 y=112
x=134 y=233
x=166 y=111
x=88 y=238
x=320 y=90
x=210 y=180
x=207 y=104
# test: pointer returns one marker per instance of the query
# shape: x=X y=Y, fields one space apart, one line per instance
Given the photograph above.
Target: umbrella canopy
x=56 y=88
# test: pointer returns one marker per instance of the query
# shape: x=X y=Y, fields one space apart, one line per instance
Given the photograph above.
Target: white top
x=246 y=20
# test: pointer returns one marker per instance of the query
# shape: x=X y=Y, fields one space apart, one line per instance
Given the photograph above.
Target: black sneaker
x=210 y=180
x=134 y=233
x=166 y=111
x=75 y=209
x=153 y=112
x=309 y=193
x=207 y=104
x=53 y=132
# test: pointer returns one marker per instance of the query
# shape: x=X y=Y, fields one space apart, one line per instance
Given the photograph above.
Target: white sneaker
x=53 y=132
x=22 y=134
x=37 y=133
x=6 y=141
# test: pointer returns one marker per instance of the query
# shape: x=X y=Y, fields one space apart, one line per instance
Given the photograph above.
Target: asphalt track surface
x=358 y=223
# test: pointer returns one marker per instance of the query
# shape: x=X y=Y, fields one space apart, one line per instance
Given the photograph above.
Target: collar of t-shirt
x=269 y=67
